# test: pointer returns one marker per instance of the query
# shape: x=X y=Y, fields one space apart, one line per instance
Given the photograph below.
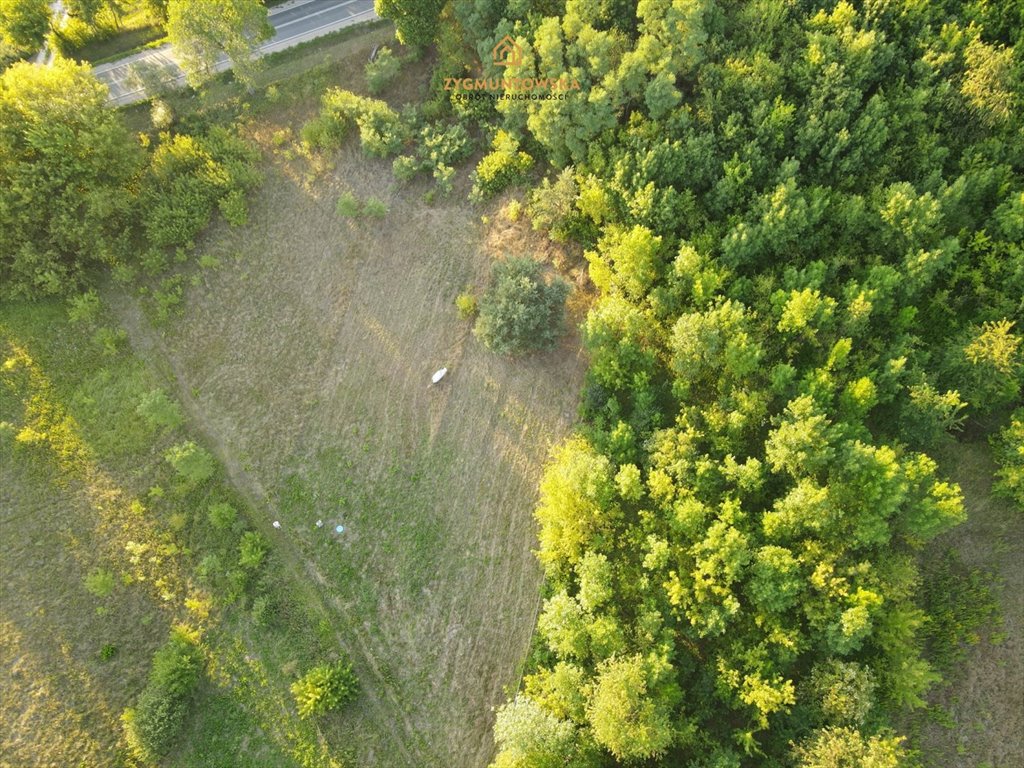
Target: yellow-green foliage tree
x=65 y=163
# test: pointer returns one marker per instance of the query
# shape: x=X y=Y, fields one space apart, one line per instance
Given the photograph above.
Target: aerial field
x=305 y=358
x=267 y=499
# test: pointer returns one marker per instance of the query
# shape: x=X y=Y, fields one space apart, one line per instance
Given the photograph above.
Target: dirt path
x=302 y=572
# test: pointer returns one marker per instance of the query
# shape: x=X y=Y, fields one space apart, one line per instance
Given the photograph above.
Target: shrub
x=322 y=133
x=84 y=308
x=108 y=651
x=382 y=70
x=193 y=464
x=348 y=205
x=324 y=688
x=188 y=176
x=222 y=516
x=161 y=115
x=380 y=129
x=1009 y=450
x=155 y=721
x=234 y=209
x=521 y=311
x=438 y=149
x=251 y=550
x=99 y=582
x=504 y=166
x=375 y=208
x=159 y=410
x=466 y=304
x=405 y=167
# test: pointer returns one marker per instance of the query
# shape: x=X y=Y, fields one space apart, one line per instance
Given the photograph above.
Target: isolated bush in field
x=382 y=70
x=156 y=720
x=1009 y=450
x=348 y=205
x=504 y=166
x=193 y=464
x=100 y=582
x=324 y=688
x=222 y=516
x=251 y=550
x=209 y=568
x=375 y=208
x=466 y=304
x=521 y=311
x=159 y=410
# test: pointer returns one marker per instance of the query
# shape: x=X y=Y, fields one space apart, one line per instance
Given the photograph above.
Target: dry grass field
x=305 y=357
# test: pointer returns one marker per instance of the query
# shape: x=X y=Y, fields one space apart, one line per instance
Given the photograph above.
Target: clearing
x=304 y=358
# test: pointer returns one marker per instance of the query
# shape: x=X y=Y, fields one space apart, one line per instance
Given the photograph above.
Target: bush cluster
x=381 y=131
x=159 y=714
x=439 y=148
x=191 y=175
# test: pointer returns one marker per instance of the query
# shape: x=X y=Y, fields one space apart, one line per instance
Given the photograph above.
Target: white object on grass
x=339 y=529
x=277 y=524
x=319 y=523
x=438 y=375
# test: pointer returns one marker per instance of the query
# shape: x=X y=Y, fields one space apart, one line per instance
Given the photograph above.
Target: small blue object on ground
x=339 y=529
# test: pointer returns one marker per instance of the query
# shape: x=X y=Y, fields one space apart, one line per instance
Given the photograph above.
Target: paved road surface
x=294 y=23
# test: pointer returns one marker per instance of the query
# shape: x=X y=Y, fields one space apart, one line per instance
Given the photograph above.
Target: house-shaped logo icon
x=507 y=53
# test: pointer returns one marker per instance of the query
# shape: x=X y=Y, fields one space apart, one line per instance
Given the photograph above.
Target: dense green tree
x=628 y=718
x=848 y=748
x=24 y=23
x=521 y=311
x=202 y=30
x=416 y=21
x=65 y=163
x=803 y=224
x=530 y=737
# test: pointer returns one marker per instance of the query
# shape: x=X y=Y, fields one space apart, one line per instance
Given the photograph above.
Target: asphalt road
x=294 y=22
